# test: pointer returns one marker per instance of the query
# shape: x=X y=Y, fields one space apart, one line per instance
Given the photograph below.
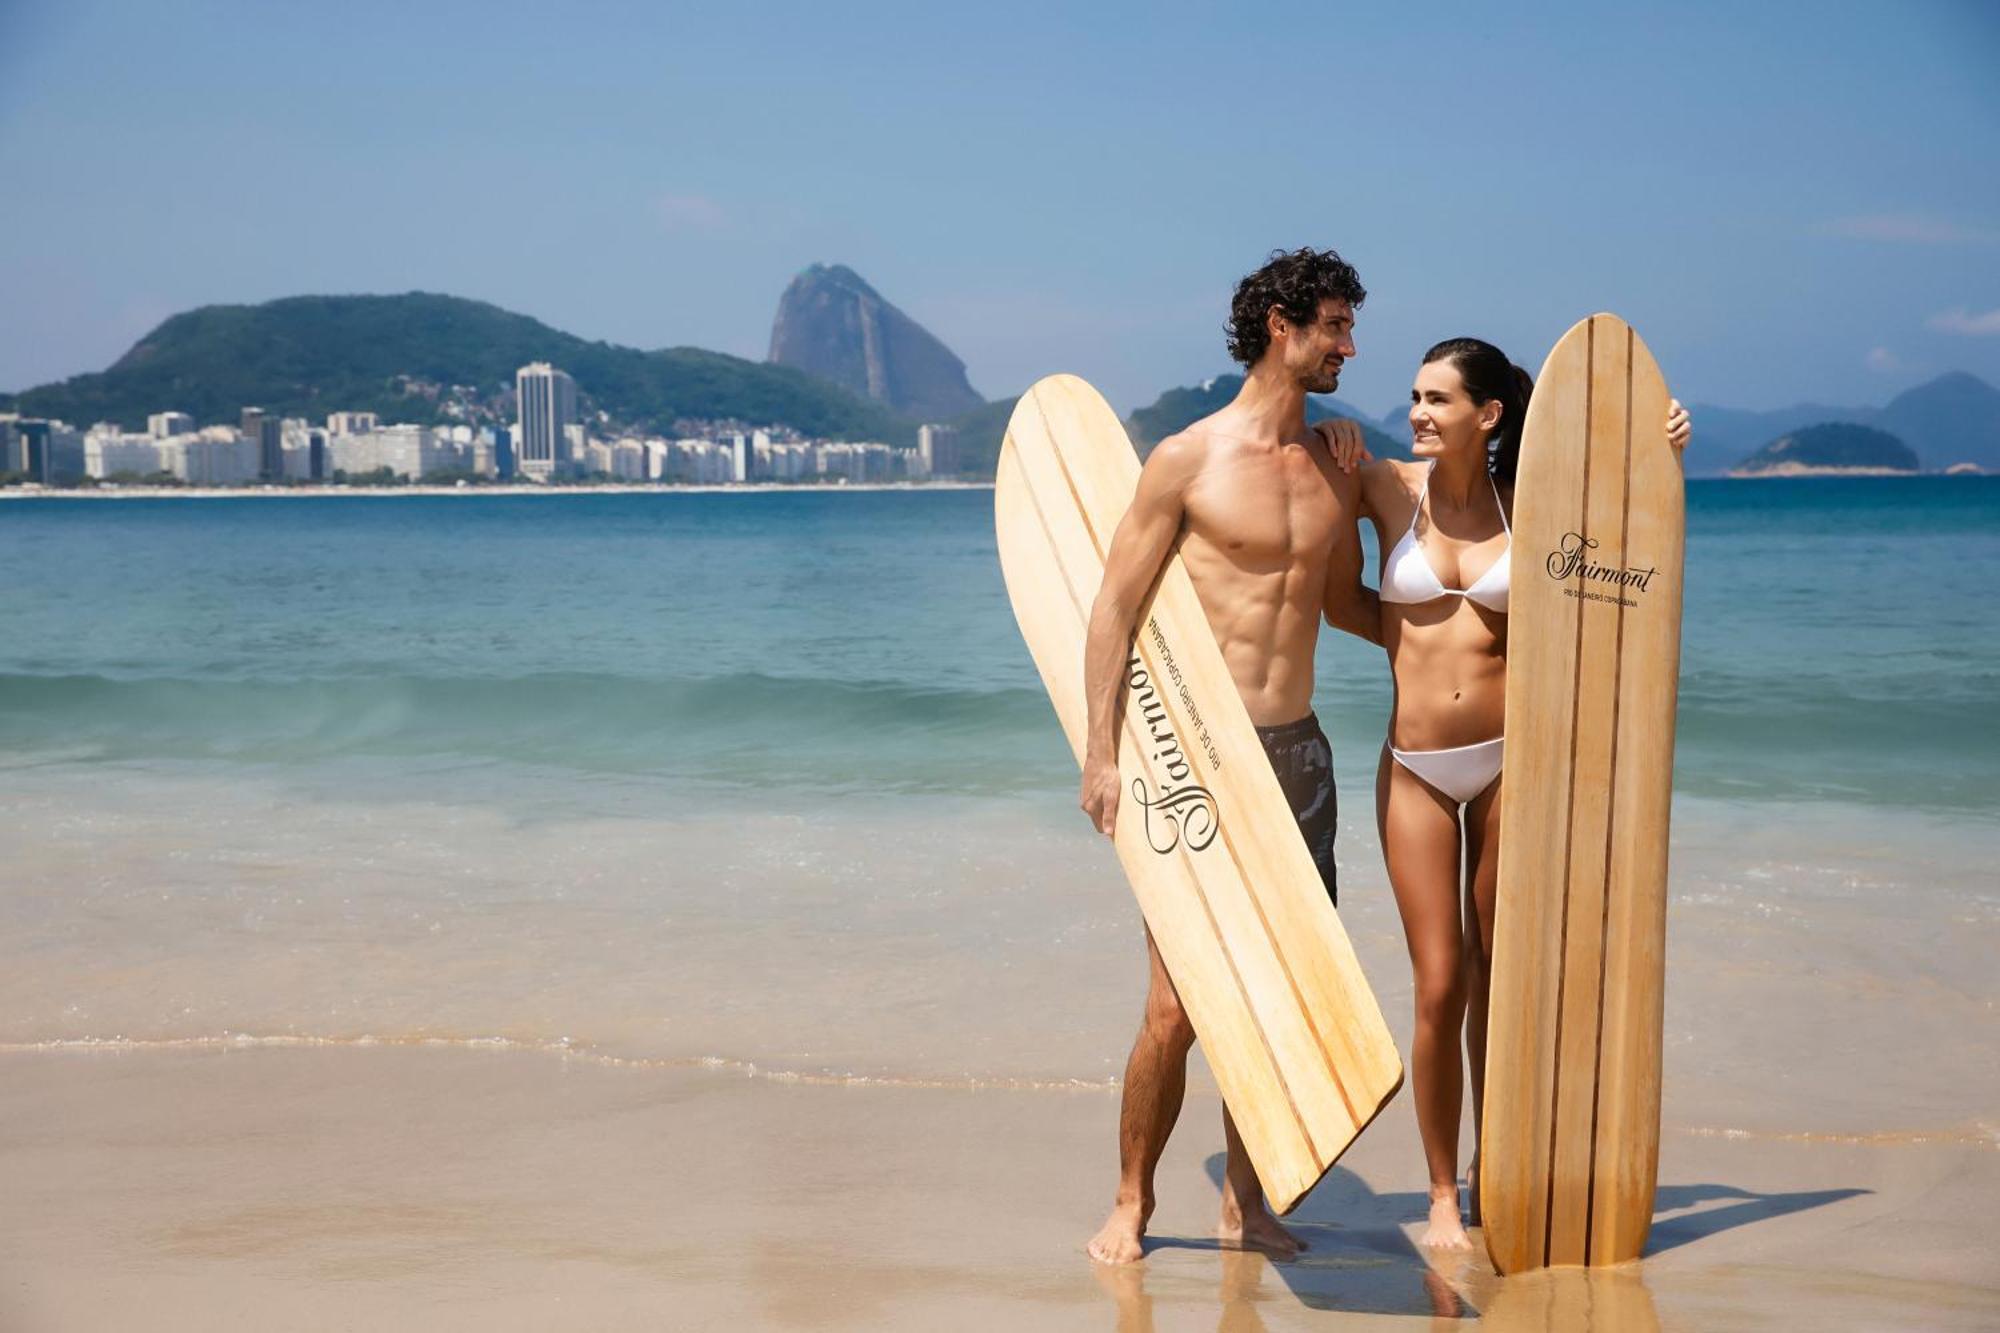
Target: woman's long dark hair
x=1490 y=376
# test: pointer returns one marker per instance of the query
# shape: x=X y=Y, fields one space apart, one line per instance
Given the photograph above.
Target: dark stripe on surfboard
x=1569 y=821
x=1610 y=811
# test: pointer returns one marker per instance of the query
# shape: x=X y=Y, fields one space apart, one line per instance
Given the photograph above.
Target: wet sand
x=618 y=1068
x=445 y=1188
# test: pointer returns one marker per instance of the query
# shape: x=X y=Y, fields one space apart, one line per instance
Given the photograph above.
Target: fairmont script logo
x=1572 y=561
x=1182 y=808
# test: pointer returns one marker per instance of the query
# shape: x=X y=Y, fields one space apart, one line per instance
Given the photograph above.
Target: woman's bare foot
x=1255 y=1229
x=1121 y=1240
x=1446 y=1232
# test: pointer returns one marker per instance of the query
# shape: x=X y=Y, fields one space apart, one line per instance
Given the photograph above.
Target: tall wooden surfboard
x=1263 y=966
x=1570 y=1136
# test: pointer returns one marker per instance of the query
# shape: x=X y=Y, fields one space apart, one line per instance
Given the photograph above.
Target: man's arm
x=1351 y=605
x=1139 y=547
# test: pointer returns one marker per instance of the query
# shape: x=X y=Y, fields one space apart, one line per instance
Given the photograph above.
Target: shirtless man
x=1264 y=517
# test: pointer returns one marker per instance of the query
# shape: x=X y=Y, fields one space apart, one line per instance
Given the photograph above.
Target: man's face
x=1315 y=352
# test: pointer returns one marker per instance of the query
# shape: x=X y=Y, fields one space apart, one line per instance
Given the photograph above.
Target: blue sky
x=1790 y=201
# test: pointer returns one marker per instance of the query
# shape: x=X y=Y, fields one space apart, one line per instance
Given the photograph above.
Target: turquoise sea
x=766 y=781
x=1839 y=643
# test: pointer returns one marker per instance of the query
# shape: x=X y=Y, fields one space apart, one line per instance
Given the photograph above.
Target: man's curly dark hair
x=1294 y=284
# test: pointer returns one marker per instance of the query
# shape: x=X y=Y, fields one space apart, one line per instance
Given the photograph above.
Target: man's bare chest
x=1265 y=521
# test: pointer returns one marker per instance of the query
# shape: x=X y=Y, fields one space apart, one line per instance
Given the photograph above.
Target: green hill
x=1176 y=409
x=311 y=355
x=981 y=430
x=977 y=448
x=1830 y=447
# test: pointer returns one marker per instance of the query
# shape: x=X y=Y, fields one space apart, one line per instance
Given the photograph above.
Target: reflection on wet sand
x=1559 y=1300
x=1361 y=1262
x=1562 y=1300
x=1240 y=1289
x=1125 y=1284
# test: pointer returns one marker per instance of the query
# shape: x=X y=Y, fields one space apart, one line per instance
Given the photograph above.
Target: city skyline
x=547 y=442
x=1786 y=201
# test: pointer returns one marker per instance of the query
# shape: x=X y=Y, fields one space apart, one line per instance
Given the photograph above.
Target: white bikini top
x=1408 y=576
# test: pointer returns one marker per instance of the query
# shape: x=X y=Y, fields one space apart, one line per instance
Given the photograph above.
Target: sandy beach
x=411 y=1110
x=347 y=1187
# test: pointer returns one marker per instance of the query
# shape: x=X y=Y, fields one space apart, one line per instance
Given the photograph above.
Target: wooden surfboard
x=1570 y=1135
x=1262 y=964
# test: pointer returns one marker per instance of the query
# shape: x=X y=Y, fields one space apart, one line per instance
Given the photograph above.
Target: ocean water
x=1838 y=642
x=766 y=783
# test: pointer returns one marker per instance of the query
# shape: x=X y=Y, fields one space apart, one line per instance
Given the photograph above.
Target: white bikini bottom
x=1461 y=772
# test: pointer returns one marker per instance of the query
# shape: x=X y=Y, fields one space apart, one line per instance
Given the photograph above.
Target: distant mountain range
x=1177 y=409
x=1952 y=419
x=845 y=364
x=980 y=431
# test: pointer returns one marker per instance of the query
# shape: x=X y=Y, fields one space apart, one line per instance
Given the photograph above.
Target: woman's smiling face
x=1443 y=417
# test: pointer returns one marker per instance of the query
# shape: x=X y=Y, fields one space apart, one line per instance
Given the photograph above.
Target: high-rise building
x=266 y=436
x=546 y=407
x=49 y=452
x=503 y=453
x=934 y=450
x=160 y=425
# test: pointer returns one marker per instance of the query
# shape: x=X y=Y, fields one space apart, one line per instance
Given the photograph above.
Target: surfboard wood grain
x=1290 y=1029
x=1570 y=1133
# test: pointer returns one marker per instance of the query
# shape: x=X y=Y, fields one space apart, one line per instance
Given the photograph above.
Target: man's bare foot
x=1446 y=1232
x=1121 y=1239
x=1256 y=1229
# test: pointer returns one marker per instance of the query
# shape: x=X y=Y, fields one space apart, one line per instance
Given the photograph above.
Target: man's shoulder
x=1185 y=451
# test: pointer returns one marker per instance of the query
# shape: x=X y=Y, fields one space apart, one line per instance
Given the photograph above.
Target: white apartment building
x=628 y=460
x=791 y=462
x=696 y=462
x=107 y=451
x=351 y=423
x=411 y=452
x=161 y=425
x=217 y=456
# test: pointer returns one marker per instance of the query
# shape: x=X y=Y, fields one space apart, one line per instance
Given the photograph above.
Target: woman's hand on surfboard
x=1100 y=793
x=1680 y=426
x=1343 y=440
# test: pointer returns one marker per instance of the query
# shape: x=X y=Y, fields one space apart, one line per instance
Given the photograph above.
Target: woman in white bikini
x=1443 y=522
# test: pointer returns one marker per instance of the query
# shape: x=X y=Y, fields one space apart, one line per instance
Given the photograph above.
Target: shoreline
x=36 y=491
x=511 y=488
x=468 y=1190
x=172 y=925
x=1783 y=470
